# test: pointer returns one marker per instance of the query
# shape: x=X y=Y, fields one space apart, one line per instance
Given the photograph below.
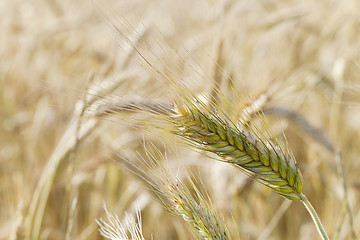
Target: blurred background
x=61 y=62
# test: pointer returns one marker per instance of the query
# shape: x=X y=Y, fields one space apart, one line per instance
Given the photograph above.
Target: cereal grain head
x=259 y=158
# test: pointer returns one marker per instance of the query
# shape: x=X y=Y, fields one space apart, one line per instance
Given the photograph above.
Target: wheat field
x=76 y=76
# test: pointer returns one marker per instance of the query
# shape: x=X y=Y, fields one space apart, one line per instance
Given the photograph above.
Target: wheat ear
x=181 y=197
x=262 y=160
x=195 y=210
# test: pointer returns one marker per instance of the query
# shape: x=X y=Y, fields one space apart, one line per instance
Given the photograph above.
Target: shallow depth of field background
x=304 y=57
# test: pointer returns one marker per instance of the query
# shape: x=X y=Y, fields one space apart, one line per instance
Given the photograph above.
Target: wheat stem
x=314 y=217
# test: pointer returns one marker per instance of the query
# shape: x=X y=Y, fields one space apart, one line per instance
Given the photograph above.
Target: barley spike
x=257 y=157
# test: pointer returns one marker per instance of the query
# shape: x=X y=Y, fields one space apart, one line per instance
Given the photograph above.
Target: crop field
x=163 y=119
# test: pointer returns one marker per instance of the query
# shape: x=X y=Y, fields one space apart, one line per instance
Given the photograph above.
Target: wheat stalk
x=259 y=158
x=244 y=148
x=262 y=160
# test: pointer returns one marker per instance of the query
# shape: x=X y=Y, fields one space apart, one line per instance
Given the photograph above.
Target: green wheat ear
x=251 y=152
x=262 y=160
